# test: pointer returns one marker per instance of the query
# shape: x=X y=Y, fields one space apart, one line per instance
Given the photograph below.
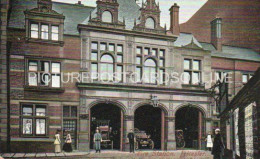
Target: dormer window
x=107 y=17
x=150 y=23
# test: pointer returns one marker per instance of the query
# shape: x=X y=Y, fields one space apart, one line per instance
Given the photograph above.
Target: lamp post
x=155 y=101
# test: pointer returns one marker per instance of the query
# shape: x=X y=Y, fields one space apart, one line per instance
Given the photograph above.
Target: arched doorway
x=189 y=119
x=150 y=120
x=108 y=118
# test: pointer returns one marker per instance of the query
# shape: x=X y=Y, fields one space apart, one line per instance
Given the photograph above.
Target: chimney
x=216 y=33
x=175 y=26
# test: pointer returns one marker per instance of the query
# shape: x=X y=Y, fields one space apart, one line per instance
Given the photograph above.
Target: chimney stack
x=216 y=33
x=175 y=26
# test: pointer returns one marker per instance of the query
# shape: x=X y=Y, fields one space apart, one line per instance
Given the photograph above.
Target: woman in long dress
x=209 y=142
x=57 y=142
x=67 y=146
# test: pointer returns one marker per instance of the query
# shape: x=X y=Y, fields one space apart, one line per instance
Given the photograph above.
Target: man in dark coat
x=131 y=139
x=218 y=145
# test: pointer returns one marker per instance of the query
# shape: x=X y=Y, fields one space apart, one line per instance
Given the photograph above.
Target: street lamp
x=155 y=101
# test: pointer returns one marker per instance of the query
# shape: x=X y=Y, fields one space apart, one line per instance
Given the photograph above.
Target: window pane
x=107 y=58
x=32 y=79
x=66 y=111
x=138 y=74
x=33 y=66
x=161 y=62
x=27 y=110
x=40 y=111
x=119 y=48
x=74 y=112
x=139 y=50
x=161 y=53
x=94 y=71
x=119 y=73
x=55 y=29
x=44 y=78
x=44 y=29
x=27 y=126
x=196 y=65
x=138 y=60
x=107 y=71
x=187 y=64
x=162 y=76
x=45 y=66
x=186 y=78
x=94 y=45
x=119 y=58
x=54 y=36
x=94 y=56
x=195 y=78
x=244 y=78
x=40 y=126
x=55 y=79
x=154 y=52
x=103 y=46
x=107 y=17
x=150 y=62
x=55 y=67
x=34 y=30
x=146 y=51
x=111 y=47
x=150 y=23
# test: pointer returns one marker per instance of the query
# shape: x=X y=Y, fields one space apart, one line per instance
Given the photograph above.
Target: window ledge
x=191 y=85
x=51 y=42
x=44 y=89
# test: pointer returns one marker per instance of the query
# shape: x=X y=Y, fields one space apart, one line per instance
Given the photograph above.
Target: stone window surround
x=144 y=57
x=39 y=71
x=34 y=117
x=114 y=54
x=191 y=58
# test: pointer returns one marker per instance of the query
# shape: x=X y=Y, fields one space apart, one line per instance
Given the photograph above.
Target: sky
x=187 y=8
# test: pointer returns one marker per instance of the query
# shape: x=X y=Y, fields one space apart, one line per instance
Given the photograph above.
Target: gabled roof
x=233 y=52
x=74 y=14
x=185 y=39
x=128 y=10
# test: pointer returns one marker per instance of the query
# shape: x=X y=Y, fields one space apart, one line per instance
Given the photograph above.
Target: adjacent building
x=75 y=68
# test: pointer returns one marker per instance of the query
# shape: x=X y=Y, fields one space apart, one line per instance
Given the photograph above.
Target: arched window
x=107 y=17
x=107 y=68
x=150 y=23
x=150 y=71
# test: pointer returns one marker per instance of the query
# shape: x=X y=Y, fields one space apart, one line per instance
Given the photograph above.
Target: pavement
x=112 y=154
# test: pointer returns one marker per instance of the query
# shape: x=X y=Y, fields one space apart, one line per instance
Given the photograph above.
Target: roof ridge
x=74 y=4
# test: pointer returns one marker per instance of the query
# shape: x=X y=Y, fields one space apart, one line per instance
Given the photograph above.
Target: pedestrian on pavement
x=97 y=141
x=131 y=140
x=67 y=145
x=57 y=142
x=218 y=145
x=209 y=141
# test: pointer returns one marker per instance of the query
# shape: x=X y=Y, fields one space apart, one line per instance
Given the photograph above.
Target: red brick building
x=49 y=40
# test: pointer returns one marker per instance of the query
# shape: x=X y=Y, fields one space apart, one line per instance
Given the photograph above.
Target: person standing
x=218 y=145
x=131 y=139
x=57 y=142
x=67 y=146
x=209 y=142
x=97 y=141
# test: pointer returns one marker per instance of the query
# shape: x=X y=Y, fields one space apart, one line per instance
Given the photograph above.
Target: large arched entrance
x=189 y=120
x=108 y=118
x=149 y=120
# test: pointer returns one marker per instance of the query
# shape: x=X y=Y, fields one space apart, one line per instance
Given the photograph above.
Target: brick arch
x=199 y=107
x=113 y=102
x=160 y=105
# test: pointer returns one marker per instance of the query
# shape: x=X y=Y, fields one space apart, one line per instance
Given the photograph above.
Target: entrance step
x=179 y=154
